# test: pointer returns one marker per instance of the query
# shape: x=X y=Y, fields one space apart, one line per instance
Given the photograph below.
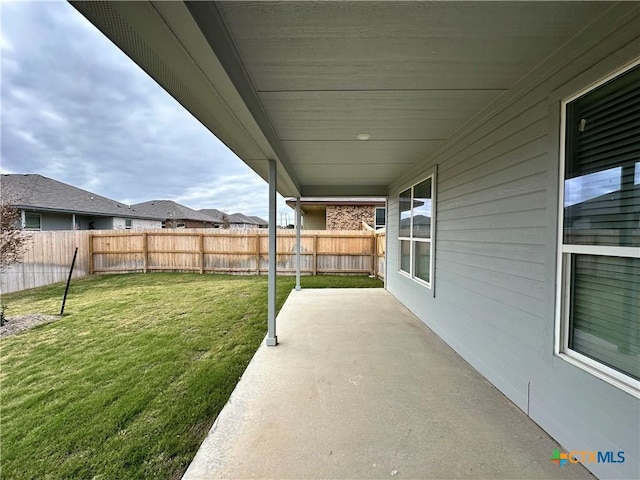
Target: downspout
x=272 y=339
x=298 y=287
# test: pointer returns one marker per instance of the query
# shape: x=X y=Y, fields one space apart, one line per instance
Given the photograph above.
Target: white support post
x=298 y=287
x=272 y=339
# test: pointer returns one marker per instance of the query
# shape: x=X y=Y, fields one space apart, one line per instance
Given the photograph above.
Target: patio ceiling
x=298 y=81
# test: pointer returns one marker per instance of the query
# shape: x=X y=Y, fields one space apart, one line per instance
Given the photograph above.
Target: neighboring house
x=234 y=220
x=486 y=112
x=220 y=218
x=340 y=213
x=48 y=204
x=241 y=221
x=261 y=222
x=175 y=215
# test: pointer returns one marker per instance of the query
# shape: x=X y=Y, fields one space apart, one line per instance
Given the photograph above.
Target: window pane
x=602 y=192
x=422 y=260
x=380 y=217
x=405 y=256
x=32 y=221
x=405 y=213
x=605 y=311
x=422 y=209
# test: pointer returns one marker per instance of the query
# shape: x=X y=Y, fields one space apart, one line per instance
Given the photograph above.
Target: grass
x=129 y=381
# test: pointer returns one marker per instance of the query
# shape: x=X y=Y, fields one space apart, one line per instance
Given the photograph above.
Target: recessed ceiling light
x=363 y=136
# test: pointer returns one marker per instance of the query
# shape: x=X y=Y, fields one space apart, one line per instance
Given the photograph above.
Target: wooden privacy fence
x=47 y=260
x=193 y=250
x=235 y=252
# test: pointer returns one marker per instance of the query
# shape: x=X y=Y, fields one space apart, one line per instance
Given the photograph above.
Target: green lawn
x=128 y=382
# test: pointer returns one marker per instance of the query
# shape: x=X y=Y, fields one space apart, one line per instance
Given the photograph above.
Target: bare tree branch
x=13 y=241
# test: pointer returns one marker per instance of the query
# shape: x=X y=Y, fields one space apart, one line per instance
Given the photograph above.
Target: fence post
x=201 y=253
x=90 y=254
x=145 y=253
x=315 y=254
x=258 y=253
x=374 y=256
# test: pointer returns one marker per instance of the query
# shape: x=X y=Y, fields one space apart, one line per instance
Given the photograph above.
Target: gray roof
x=241 y=218
x=213 y=213
x=233 y=217
x=36 y=192
x=258 y=220
x=168 y=209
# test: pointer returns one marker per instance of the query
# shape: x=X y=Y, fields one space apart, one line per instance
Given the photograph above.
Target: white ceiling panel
x=320 y=174
x=361 y=153
x=398 y=45
x=396 y=115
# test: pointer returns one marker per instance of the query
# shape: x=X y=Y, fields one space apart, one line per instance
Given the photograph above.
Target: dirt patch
x=20 y=323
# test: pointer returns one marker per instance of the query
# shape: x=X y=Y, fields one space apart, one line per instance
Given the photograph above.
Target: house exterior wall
x=496 y=251
x=142 y=224
x=136 y=223
x=350 y=217
x=196 y=224
x=50 y=221
x=242 y=226
x=119 y=223
x=315 y=220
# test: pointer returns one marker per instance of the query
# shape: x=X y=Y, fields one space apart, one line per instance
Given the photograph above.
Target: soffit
x=410 y=74
x=297 y=81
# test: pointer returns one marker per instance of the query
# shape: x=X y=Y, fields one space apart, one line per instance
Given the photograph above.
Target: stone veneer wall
x=349 y=217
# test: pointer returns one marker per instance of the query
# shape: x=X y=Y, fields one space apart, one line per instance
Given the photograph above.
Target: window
x=380 y=217
x=599 y=255
x=416 y=231
x=32 y=221
x=128 y=223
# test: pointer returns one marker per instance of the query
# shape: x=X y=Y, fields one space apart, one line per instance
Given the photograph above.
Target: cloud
x=77 y=109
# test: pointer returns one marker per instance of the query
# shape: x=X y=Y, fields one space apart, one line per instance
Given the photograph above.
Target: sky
x=76 y=109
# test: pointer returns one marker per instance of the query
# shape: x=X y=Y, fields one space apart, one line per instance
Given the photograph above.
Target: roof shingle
x=169 y=209
x=33 y=191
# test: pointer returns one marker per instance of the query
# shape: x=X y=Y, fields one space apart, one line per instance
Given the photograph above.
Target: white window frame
x=565 y=252
x=130 y=221
x=431 y=240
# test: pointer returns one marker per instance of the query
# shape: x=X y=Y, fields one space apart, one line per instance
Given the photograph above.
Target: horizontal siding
x=514 y=285
x=531 y=218
x=534 y=272
x=495 y=262
x=491 y=287
x=496 y=249
x=487 y=206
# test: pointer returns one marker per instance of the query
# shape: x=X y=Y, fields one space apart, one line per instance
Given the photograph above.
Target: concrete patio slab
x=359 y=388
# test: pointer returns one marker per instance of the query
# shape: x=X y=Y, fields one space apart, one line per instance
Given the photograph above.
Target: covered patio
x=464 y=115
x=361 y=388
